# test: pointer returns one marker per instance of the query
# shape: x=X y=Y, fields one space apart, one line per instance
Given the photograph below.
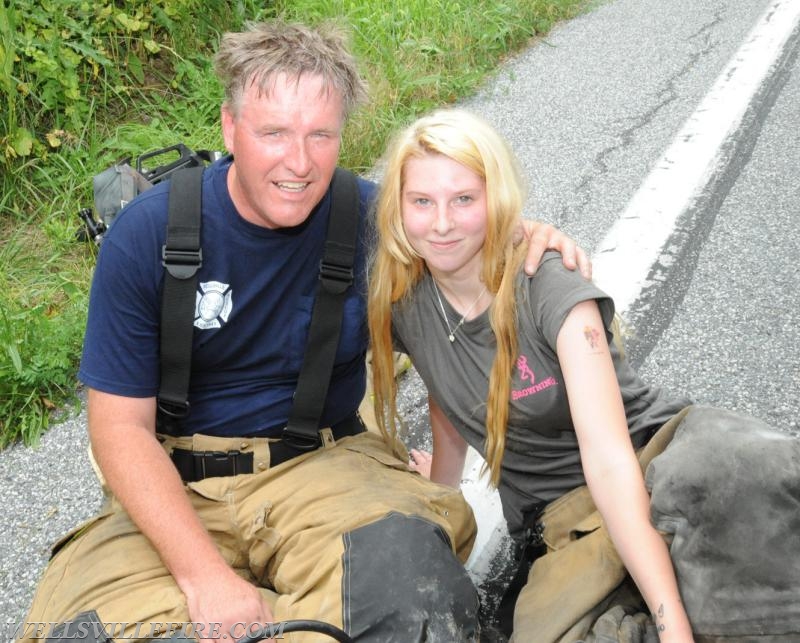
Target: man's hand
x=215 y=595
x=228 y=603
x=542 y=237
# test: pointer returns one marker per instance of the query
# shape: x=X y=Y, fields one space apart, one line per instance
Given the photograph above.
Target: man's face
x=285 y=146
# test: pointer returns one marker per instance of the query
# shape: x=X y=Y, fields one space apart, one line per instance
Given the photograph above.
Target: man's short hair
x=264 y=50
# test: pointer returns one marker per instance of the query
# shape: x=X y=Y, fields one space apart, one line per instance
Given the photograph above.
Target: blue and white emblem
x=213 y=304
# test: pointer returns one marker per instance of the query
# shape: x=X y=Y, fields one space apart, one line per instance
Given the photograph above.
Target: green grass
x=86 y=84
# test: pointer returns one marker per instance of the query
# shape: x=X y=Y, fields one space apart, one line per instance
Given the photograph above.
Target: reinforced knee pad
x=402 y=582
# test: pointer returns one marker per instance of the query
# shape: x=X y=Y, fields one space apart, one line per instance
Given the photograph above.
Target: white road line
x=488 y=510
x=635 y=243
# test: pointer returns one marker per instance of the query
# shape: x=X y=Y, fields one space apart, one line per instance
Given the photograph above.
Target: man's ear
x=228 y=120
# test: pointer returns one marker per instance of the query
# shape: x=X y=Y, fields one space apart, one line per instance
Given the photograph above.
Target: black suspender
x=335 y=277
x=182 y=258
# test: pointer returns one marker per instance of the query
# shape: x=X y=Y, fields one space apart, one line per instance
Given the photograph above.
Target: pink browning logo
x=525 y=372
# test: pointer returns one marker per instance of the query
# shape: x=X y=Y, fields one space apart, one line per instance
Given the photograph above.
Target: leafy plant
x=39 y=345
x=59 y=58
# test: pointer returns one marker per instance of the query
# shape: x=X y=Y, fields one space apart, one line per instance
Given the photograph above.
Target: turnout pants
x=725 y=493
x=344 y=534
x=581 y=575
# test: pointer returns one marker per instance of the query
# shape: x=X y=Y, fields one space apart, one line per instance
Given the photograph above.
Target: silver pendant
x=451 y=337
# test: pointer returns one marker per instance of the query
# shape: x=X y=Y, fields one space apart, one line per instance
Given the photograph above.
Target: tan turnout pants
x=284 y=529
x=581 y=576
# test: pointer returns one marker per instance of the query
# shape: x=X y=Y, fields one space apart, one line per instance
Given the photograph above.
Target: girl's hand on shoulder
x=421 y=462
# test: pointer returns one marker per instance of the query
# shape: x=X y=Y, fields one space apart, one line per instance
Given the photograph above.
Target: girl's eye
x=464 y=199
x=422 y=202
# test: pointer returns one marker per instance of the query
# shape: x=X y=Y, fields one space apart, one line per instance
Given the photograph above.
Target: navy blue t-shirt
x=256 y=289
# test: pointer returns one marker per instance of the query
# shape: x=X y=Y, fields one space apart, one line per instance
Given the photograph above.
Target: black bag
x=117 y=185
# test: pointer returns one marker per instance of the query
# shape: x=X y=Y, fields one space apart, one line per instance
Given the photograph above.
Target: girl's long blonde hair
x=396 y=268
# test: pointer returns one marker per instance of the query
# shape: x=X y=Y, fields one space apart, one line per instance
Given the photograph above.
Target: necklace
x=452 y=335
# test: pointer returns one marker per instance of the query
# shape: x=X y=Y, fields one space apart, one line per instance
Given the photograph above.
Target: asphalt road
x=733 y=340
x=589 y=111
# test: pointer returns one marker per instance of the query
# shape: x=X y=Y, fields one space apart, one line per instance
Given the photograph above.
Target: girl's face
x=444 y=215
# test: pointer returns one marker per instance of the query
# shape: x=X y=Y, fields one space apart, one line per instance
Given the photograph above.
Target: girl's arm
x=612 y=470
x=449 y=451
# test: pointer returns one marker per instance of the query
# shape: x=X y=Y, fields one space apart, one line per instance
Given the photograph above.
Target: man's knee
x=402 y=582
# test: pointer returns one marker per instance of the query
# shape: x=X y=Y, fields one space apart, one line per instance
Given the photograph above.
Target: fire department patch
x=213 y=305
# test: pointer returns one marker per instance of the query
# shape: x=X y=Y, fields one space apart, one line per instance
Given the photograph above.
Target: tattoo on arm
x=660 y=612
x=592 y=336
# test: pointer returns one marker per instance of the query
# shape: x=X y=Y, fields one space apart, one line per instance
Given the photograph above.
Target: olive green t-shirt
x=541 y=460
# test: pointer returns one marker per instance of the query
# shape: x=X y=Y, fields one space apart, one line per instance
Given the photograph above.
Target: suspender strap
x=531 y=548
x=182 y=257
x=335 y=277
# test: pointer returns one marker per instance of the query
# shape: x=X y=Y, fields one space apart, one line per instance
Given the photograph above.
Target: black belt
x=198 y=465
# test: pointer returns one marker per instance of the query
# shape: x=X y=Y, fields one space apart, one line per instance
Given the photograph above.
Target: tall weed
x=41 y=309
x=59 y=58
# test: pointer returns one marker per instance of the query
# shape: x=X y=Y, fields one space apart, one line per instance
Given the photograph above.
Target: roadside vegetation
x=89 y=83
